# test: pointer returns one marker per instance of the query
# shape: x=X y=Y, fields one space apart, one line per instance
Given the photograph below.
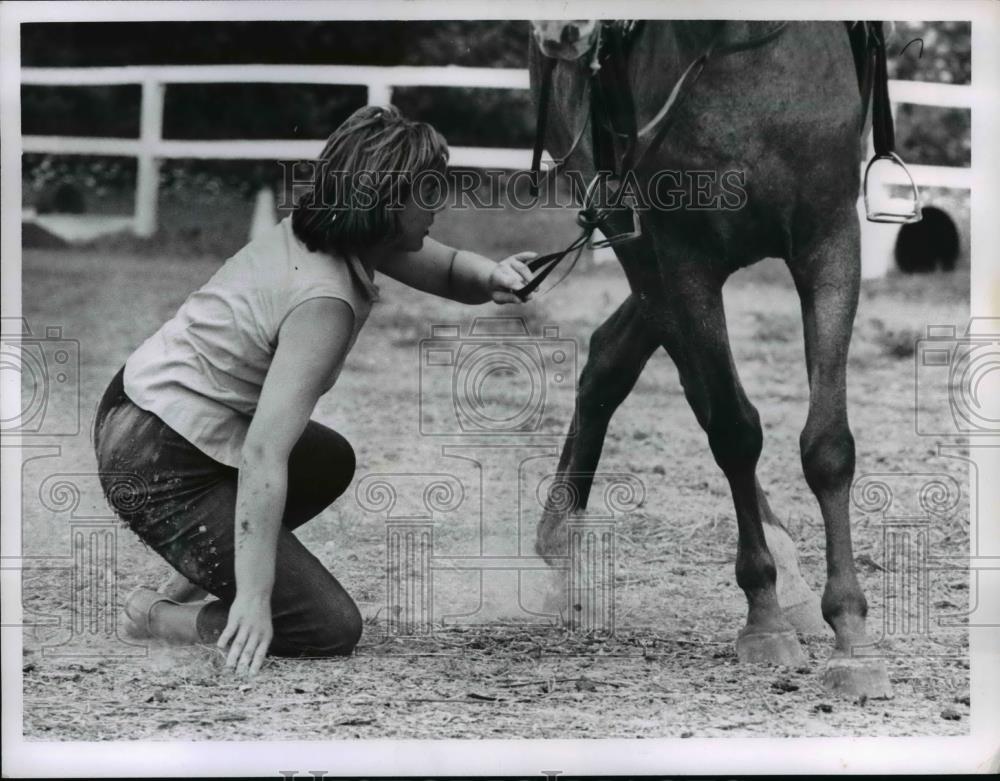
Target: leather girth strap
x=870 y=62
x=883 y=131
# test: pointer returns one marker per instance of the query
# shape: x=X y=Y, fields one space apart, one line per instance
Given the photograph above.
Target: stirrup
x=892 y=210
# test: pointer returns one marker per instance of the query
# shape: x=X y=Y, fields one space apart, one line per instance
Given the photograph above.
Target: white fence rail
x=150 y=147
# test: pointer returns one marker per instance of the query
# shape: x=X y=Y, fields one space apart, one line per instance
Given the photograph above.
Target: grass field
x=670 y=669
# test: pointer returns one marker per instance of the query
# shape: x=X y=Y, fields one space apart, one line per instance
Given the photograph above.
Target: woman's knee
x=322 y=462
x=341 y=638
x=347 y=464
x=331 y=632
x=313 y=614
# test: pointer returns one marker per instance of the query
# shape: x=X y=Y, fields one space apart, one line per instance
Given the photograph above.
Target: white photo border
x=978 y=751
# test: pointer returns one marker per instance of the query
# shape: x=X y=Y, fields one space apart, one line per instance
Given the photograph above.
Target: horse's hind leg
x=799 y=603
x=692 y=326
x=619 y=349
x=827 y=280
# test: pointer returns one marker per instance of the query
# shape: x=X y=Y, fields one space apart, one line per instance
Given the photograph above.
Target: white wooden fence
x=150 y=147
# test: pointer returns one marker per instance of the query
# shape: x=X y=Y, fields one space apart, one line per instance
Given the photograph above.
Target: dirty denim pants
x=182 y=503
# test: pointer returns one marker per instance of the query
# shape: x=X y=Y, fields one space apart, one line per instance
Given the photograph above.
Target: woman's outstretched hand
x=509 y=275
x=248 y=634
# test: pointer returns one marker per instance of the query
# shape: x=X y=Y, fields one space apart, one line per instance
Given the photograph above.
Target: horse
x=785 y=114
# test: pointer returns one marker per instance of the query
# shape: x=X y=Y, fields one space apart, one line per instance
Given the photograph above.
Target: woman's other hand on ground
x=509 y=275
x=248 y=634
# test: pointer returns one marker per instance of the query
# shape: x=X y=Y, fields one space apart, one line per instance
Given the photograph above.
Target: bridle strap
x=548 y=66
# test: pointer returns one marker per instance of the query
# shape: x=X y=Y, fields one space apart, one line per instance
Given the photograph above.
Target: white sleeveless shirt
x=203 y=371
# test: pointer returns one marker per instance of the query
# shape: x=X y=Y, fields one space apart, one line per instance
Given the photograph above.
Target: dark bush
x=62 y=198
x=929 y=244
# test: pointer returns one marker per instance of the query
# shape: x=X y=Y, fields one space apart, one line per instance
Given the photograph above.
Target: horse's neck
x=674 y=44
x=694 y=36
x=667 y=48
x=658 y=57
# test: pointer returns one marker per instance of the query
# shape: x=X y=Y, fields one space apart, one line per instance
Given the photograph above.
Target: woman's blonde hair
x=367 y=167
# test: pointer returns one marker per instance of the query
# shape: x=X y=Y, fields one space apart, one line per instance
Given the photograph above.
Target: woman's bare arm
x=311 y=343
x=460 y=275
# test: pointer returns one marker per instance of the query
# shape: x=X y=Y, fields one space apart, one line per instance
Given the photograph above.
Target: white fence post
x=379 y=93
x=148 y=175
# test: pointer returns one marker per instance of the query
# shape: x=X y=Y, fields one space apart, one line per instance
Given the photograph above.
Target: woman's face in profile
x=418 y=212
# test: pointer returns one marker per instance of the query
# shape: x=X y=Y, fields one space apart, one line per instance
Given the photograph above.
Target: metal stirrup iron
x=891 y=210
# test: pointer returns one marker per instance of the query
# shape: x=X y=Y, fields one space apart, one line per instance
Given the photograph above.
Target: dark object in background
x=62 y=198
x=929 y=244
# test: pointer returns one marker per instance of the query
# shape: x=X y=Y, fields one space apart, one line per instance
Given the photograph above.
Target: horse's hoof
x=780 y=648
x=550 y=592
x=806 y=616
x=857 y=678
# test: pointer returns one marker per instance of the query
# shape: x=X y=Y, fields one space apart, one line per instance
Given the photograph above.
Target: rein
x=590 y=218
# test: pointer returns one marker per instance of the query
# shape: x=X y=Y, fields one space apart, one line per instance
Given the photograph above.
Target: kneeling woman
x=211 y=413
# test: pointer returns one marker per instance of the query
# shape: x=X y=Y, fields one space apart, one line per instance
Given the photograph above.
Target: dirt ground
x=669 y=670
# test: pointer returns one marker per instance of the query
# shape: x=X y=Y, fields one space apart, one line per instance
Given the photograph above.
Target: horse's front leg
x=619 y=349
x=828 y=280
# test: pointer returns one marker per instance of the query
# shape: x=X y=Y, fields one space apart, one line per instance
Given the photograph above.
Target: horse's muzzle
x=565 y=39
